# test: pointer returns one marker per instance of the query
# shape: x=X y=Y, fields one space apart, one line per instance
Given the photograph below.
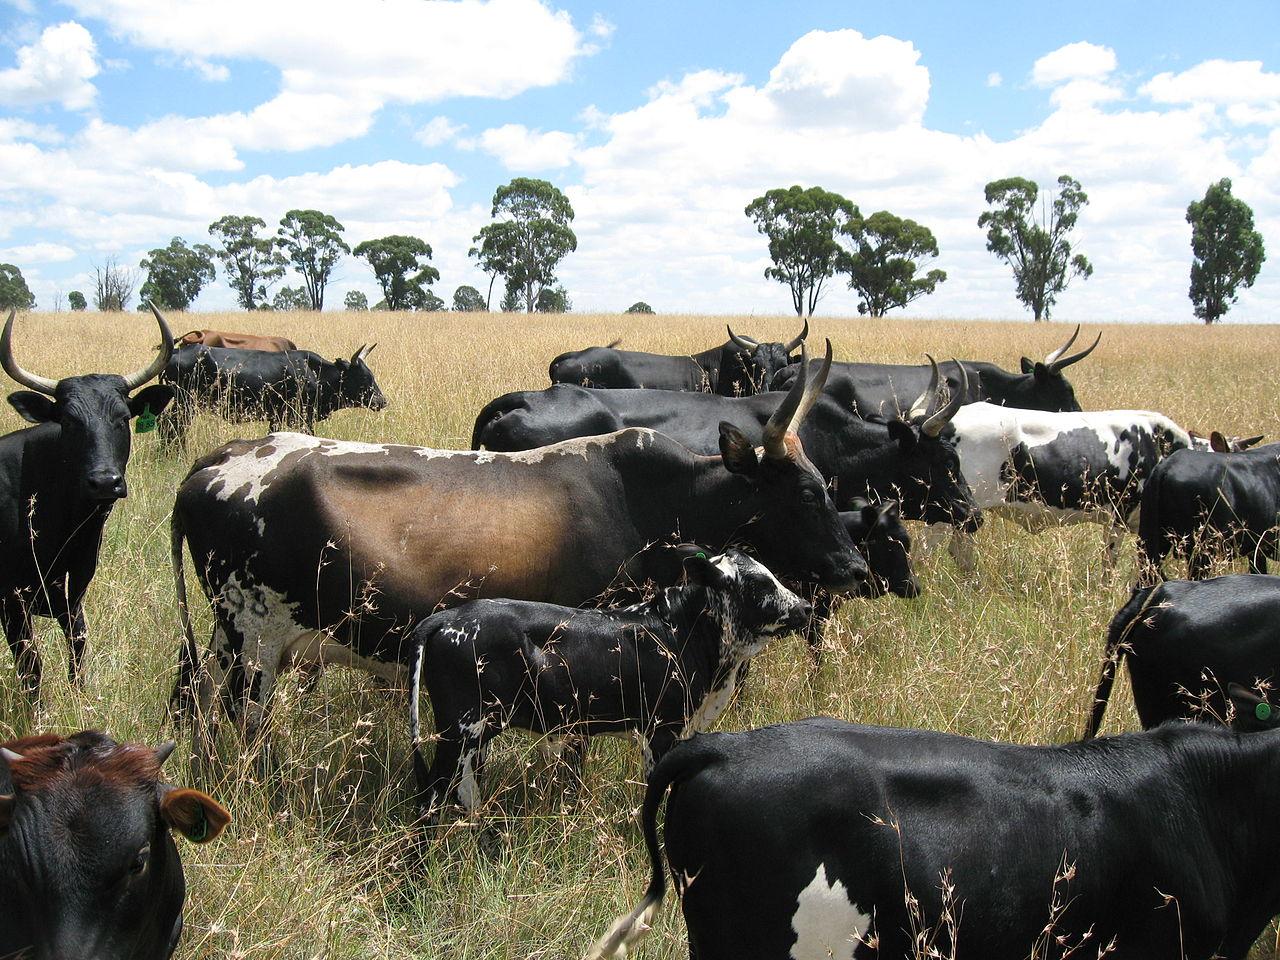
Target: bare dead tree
x=113 y=285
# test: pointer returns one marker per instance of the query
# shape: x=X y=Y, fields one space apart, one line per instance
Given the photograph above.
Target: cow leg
x=815 y=630
x=573 y=754
x=1114 y=534
x=220 y=664
x=22 y=643
x=74 y=629
x=454 y=768
x=657 y=744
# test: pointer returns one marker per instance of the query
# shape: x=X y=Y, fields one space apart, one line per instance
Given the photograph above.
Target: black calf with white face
x=658 y=669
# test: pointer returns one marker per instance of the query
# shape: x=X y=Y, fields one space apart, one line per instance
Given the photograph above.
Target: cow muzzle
x=106 y=486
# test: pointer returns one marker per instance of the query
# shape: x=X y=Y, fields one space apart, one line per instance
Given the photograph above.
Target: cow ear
x=903 y=433
x=1250 y=711
x=33 y=407
x=151 y=399
x=195 y=815
x=702 y=571
x=1218 y=443
x=891 y=511
x=1041 y=371
x=870 y=514
x=1028 y=364
x=738 y=452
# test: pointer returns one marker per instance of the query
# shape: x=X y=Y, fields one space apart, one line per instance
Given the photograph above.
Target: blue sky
x=123 y=123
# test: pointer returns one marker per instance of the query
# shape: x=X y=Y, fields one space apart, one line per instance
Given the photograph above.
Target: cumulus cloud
x=37 y=253
x=57 y=68
x=994 y=79
x=437 y=131
x=1075 y=61
x=519 y=148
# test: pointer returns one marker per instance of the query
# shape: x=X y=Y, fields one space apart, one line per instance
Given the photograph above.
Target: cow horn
x=934 y=424
x=163 y=751
x=924 y=403
x=812 y=391
x=1075 y=357
x=775 y=430
x=742 y=343
x=800 y=339
x=9 y=755
x=139 y=377
x=369 y=351
x=1048 y=361
x=41 y=384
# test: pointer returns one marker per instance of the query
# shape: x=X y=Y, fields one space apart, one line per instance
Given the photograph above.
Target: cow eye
x=808 y=497
x=140 y=860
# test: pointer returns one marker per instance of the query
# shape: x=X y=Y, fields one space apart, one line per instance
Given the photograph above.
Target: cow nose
x=107 y=485
x=911 y=590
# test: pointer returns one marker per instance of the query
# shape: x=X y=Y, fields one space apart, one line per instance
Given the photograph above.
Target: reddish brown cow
x=88 y=866
x=236 y=341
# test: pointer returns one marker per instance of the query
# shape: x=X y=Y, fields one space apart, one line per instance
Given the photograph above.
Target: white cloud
x=1075 y=61
x=601 y=27
x=213 y=72
x=58 y=67
x=519 y=148
x=994 y=79
x=1216 y=81
x=37 y=253
x=437 y=131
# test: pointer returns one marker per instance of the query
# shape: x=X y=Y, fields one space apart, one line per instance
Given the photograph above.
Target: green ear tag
x=146 y=421
x=1262 y=711
x=200 y=832
x=700 y=555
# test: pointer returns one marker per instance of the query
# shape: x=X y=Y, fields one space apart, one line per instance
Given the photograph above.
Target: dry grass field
x=320 y=865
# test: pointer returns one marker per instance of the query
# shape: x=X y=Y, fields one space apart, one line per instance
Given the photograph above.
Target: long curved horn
x=800 y=339
x=812 y=392
x=934 y=424
x=742 y=343
x=775 y=431
x=924 y=403
x=139 y=377
x=41 y=384
x=1048 y=361
x=1058 y=365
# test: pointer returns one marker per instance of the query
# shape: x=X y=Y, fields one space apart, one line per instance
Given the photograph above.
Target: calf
x=658 y=669
x=1208 y=502
x=1186 y=640
x=235 y=341
x=823 y=839
x=88 y=866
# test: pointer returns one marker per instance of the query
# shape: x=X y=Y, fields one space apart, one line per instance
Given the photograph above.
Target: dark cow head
x=932 y=487
x=88 y=866
x=359 y=389
x=881 y=536
x=752 y=605
x=796 y=525
x=753 y=365
x=1043 y=387
x=1221 y=443
x=93 y=413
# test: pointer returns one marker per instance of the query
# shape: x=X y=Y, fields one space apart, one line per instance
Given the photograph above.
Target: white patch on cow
x=468 y=788
x=712 y=705
x=826 y=922
x=576 y=447
x=253 y=468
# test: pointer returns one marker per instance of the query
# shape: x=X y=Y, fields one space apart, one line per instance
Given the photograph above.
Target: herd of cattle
x=606 y=560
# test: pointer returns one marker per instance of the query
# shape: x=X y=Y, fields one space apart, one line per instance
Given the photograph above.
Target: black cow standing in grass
x=59 y=480
x=822 y=839
x=290 y=388
x=1211 y=502
x=660 y=669
x=739 y=367
x=88 y=866
x=1185 y=641
x=886 y=389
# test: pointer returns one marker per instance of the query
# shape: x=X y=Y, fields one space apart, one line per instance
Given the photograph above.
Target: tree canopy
x=177 y=273
x=801 y=226
x=14 y=292
x=639 y=307
x=883 y=260
x=1036 y=247
x=400 y=265
x=529 y=237
x=467 y=299
x=76 y=300
x=313 y=242
x=355 y=300
x=1226 y=251
x=291 y=298
x=250 y=263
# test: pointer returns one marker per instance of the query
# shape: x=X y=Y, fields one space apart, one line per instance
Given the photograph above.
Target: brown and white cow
x=235 y=341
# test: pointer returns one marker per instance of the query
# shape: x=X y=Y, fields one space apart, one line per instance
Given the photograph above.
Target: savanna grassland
x=319 y=864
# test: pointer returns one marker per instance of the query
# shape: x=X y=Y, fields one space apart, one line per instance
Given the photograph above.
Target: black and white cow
x=657 y=670
x=1207 y=503
x=1044 y=469
x=823 y=840
x=1185 y=641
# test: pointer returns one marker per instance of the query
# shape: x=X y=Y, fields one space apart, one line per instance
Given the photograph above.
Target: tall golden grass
x=320 y=865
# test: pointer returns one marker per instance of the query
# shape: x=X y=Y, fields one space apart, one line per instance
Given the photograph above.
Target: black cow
x=1186 y=640
x=881 y=389
x=1207 y=502
x=660 y=669
x=739 y=367
x=823 y=839
x=912 y=460
x=311 y=548
x=58 y=483
x=88 y=866
x=292 y=388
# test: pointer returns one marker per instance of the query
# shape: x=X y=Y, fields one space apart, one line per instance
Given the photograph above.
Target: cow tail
x=415 y=707
x=1122 y=625
x=180 y=702
x=490 y=413
x=1152 y=543
x=686 y=760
